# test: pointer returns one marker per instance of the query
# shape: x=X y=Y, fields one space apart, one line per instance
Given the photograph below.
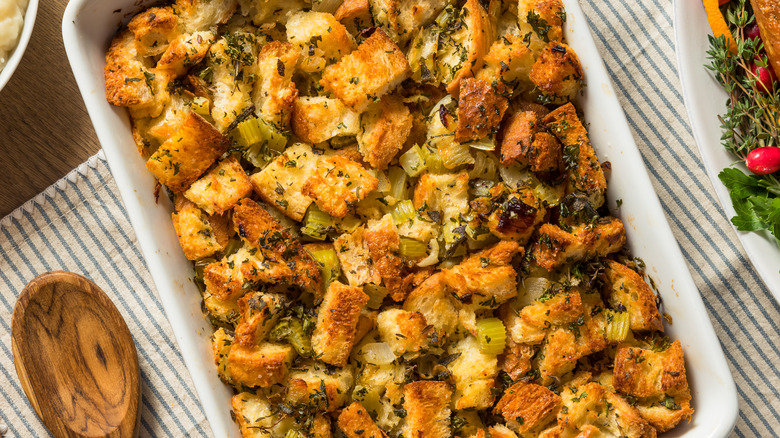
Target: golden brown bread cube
x=384 y=128
x=275 y=94
x=627 y=289
x=523 y=141
x=257 y=417
x=427 y=405
x=557 y=73
x=183 y=158
x=320 y=37
x=334 y=335
x=480 y=110
x=355 y=15
x=280 y=183
x=383 y=245
x=403 y=331
x=645 y=373
x=516 y=359
x=433 y=299
x=261 y=365
x=314 y=383
x=516 y=214
x=368 y=73
x=507 y=64
x=221 y=188
x=486 y=278
x=196 y=235
x=317 y=119
x=549 y=11
x=461 y=51
x=531 y=323
x=474 y=374
x=527 y=406
x=400 y=18
x=555 y=246
x=185 y=51
x=337 y=184
x=355 y=422
x=355 y=258
x=221 y=342
x=259 y=313
x=200 y=15
x=153 y=29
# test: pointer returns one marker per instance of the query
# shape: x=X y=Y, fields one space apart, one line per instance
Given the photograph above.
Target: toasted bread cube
x=275 y=94
x=334 y=336
x=355 y=422
x=257 y=417
x=474 y=373
x=221 y=342
x=507 y=64
x=153 y=29
x=129 y=82
x=666 y=412
x=338 y=183
x=384 y=244
x=261 y=365
x=221 y=188
x=225 y=279
x=368 y=73
x=355 y=15
x=645 y=373
x=201 y=15
x=320 y=428
x=259 y=313
x=317 y=119
x=402 y=330
x=551 y=11
x=516 y=359
x=485 y=279
x=196 y=236
x=557 y=72
x=306 y=384
x=320 y=37
x=530 y=325
x=355 y=258
x=527 y=407
x=154 y=132
x=462 y=50
x=400 y=18
x=280 y=250
x=224 y=311
x=231 y=96
x=434 y=301
x=587 y=176
x=629 y=290
x=517 y=215
x=179 y=162
x=523 y=142
x=271 y=12
x=555 y=247
x=480 y=110
x=427 y=405
x=446 y=193
x=185 y=51
x=384 y=128
x=280 y=183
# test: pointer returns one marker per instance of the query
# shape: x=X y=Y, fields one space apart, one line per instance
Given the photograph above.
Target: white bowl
x=21 y=46
x=88 y=26
x=705 y=99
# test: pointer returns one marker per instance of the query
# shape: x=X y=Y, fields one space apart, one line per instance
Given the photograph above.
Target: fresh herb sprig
x=751 y=121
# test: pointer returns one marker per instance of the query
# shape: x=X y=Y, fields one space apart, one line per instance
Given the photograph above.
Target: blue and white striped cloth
x=79 y=225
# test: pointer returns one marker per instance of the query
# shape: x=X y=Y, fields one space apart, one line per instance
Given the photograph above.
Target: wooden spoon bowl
x=75 y=358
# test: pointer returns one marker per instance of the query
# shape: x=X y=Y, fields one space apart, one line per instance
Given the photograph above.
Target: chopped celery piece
x=201 y=106
x=422 y=54
x=329 y=265
x=432 y=159
x=292 y=331
x=348 y=223
x=617 y=325
x=484 y=144
x=447 y=16
x=412 y=161
x=403 y=212
x=492 y=335
x=316 y=223
x=257 y=131
x=454 y=154
x=376 y=294
x=412 y=249
x=398 y=183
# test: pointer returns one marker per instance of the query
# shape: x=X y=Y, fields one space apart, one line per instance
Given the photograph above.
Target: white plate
x=87 y=29
x=705 y=99
x=21 y=46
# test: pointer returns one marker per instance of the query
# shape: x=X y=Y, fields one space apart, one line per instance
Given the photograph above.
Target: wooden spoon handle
x=75 y=358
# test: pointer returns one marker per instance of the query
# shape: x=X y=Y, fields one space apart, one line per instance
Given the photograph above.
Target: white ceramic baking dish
x=15 y=57
x=88 y=26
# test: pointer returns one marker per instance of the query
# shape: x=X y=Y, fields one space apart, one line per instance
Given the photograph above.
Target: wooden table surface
x=44 y=128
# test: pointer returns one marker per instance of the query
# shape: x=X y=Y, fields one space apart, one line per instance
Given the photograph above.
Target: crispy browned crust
x=385 y=127
x=260 y=365
x=480 y=110
x=283 y=252
x=183 y=158
x=768 y=19
x=379 y=64
x=557 y=72
x=404 y=331
x=485 y=276
x=337 y=184
x=259 y=312
x=516 y=214
x=126 y=83
x=516 y=359
x=555 y=246
x=383 y=244
x=427 y=405
x=587 y=176
x=354 y=15
x=355 y=422
x=321 y=427
x=195 y=233
x=185 y=51
x=220 y=188
x=432 y=298
x=524 y=142
x=527 y=406
x=482 y=30
x=627 y=288
x=334 y=336
x=153 y=29
x=645 y=373
x=221 y=282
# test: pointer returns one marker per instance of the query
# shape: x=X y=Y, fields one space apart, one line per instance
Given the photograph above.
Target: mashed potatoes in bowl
x=11 y=22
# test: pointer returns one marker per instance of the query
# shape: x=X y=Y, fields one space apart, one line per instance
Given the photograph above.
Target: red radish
x=763 y=161
x=752 y=32
x=765 y=78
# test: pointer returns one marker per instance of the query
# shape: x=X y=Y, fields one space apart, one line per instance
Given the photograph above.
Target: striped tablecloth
x=79 y=224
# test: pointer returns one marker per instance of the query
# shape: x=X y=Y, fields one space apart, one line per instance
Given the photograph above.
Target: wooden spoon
x=75 y=358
